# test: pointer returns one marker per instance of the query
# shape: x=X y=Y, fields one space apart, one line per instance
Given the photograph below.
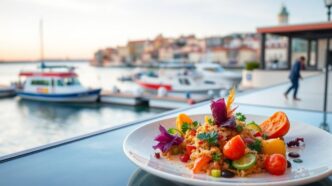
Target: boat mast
x=41 y=36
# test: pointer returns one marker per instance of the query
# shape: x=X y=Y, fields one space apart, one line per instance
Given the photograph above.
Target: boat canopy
x=48 y=74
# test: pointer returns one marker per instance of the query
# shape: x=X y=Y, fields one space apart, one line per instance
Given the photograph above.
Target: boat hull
x=7 y=92
x=86 y=96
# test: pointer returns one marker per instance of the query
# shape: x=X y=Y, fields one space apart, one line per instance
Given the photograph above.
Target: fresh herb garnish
x=252 y=122
x=196 y=124
x=185 y=126
x=173 y=131
x=239 y=128
x=216 y=156
x=210 y=121
x=229 y=162
x=256 y=145
x=240 y=116
x=265 y=136
x=211 y=137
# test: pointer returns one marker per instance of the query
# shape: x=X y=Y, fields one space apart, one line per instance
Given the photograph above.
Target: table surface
x=99 y=159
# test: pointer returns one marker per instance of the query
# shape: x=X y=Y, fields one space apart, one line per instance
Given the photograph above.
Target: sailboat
x=54 y=83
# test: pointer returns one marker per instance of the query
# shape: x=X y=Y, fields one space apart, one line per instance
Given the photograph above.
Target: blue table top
x=100 y=160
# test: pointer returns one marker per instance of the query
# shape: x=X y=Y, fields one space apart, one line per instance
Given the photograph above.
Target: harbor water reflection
x=25 y=124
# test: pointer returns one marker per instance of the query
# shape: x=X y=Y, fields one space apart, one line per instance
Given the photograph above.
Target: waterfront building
x=217 y=55
x=136 y=49
x=123 y=52
x=276 y=46
x=314 y=34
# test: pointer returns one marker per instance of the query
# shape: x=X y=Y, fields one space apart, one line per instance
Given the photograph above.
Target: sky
x=77 y=28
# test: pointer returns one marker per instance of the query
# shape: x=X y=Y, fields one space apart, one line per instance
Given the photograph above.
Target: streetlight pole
x=328 y=4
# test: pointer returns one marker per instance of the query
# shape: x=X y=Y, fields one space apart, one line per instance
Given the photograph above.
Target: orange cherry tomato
x=181 y=119
x=200 y=163
x=276 y=126
x=234 y=148
x=276 y=164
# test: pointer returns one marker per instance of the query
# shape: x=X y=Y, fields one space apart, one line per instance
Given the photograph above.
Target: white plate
x=316 y=156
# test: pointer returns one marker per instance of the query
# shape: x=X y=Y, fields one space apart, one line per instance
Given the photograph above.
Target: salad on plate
x=226 y=144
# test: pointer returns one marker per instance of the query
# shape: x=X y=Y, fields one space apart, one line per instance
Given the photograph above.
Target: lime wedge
x=245 y=162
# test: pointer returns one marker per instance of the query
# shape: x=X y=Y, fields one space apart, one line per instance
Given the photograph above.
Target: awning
x=305 y=31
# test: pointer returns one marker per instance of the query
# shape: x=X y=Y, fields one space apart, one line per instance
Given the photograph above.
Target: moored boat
x=186 y=82
x=216 y=74
x=55 y=86
x=7 y=91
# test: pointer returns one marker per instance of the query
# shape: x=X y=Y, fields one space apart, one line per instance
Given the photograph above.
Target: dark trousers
x=295 y=86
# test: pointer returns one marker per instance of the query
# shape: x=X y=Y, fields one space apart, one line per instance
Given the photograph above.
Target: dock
x=169 y=101
x=122 y=98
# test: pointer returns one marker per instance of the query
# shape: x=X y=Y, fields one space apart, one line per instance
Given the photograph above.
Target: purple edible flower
x=229 y=123
x=166 y=140
x=219 y=113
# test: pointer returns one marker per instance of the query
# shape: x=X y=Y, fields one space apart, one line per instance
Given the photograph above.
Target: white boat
x=61 y=86
x=215 y=74
x=187 y=82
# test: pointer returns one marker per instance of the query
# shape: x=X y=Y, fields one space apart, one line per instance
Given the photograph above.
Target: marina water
x=25 y=124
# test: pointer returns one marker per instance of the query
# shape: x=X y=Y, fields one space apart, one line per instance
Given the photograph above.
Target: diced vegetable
x=157 y=155
x=274 y=146
x=245 y=162
x=253 y=127
x=181 y=120
x=234 y=148
x=276 y=164
x=175 y=150
x=200 y=163
x=189 y=149
x=184 y=158
x=215 y=172
x=276 y=126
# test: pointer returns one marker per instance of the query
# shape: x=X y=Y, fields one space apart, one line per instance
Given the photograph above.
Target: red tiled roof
x=218 y=49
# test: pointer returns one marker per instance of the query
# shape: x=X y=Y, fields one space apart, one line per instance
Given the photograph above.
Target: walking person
x=294 y=77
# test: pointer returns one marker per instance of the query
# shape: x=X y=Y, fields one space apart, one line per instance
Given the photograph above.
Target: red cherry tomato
x=276 y=164
x=189 y=149
x=184 y=158
x=234 y=148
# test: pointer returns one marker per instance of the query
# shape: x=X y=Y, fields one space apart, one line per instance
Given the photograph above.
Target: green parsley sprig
x=210 y=137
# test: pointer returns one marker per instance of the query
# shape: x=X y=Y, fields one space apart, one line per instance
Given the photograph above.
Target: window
x=60 y=83
x=40 y=82
x=184 y=81
x=71 y=81
x=214 y=69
